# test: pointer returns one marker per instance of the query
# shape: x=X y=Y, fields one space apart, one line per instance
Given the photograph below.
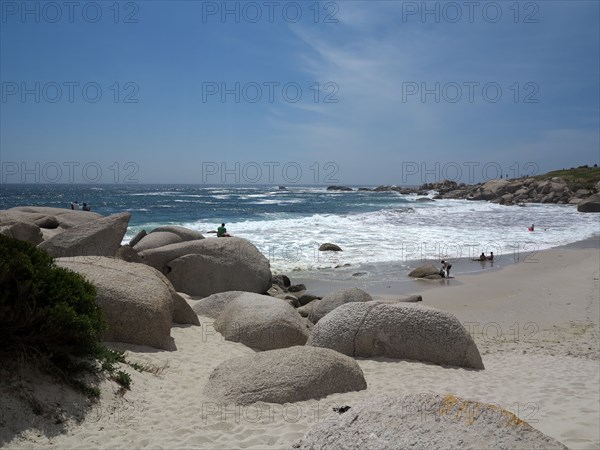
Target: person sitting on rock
x=222 y=231
x=86 y=207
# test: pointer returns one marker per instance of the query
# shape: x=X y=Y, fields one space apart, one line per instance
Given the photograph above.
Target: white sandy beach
x=536 y=325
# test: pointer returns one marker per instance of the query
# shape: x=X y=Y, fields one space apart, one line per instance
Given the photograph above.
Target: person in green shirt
x=222 y=231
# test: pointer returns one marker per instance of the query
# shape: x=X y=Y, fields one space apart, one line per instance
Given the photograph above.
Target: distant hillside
x=582 y=177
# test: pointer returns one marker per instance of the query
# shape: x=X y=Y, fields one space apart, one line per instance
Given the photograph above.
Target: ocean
x=382 y=234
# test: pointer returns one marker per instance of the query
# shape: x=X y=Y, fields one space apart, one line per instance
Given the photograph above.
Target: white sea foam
x=446 y=229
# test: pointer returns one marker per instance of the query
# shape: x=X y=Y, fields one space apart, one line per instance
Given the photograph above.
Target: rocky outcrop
x=328 y=247
x=284 y=376
x=206 y=266
x=591 y=204
x=262 y=322
x=424 y=421
x=336 y=299
x=213 y=305
x=426 y=271
x=136 y=301
x=101 y=237
x=22 y=231
x=339 y=188
x=166 y=235
x=400 y=330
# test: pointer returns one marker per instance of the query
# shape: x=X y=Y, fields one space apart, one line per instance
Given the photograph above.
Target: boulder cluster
x=305 y=345
x=557 y=190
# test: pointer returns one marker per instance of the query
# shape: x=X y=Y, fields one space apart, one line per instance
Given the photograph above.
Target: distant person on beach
x=86 y=207
x=445 y=271
x=491 y=257
x=222 y=231
x=532 y=227
x=482 y=257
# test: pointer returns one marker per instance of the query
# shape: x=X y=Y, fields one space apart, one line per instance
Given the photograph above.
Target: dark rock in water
x=282 y=188
x=424 y=200
x=339 y=266
x=137 y=238
x=282 y=281
x=364 y=189
x=328 y=247
x=339 y=188
x=359 y=274
x=307 y=298
x=590 y=204
x=297 y=288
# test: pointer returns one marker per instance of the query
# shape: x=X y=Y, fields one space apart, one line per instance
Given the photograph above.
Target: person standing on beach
x=446 y=266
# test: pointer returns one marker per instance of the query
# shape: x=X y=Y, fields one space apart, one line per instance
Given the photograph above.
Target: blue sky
x=360 y=117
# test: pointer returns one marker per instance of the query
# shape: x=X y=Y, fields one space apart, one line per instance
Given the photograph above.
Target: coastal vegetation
x=49 y=318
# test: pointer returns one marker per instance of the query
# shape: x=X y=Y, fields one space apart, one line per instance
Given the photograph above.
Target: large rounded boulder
x=283 y=376
x=398 y=330
x=136 y=301
x=206 y=266
x=262 y=322
x=166 y=235
x=590 y=204
x=429 y=421
x=427 y=271
x=336 y=299
x=213 y=305
x=101 y=237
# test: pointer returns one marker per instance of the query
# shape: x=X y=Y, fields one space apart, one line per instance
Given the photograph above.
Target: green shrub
x=123 y=378
x=44 y=308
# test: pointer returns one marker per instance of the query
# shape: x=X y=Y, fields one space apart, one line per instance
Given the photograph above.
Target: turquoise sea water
x=288 y=225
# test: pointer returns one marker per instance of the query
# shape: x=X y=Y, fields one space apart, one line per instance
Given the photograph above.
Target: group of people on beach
x=482 y=257
x=75 y=206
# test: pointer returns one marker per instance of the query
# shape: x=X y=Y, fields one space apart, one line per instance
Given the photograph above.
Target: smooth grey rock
x=426 y=271
x=261 y=322
x=182 y=311
x=128 y=254
x=156 y=239
x=101 y=237
x=22 y=231
x=184 y=233
x=66 y=218
x=400 y=331
x=336 y=299
x=305 y=299
x=136 y=301
x=284 y=376
x=213 y=305
x=137 y=238
x=206 y=266
x=590 y=204
x=305 y=310
x=48 y=222
x=424 y=421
